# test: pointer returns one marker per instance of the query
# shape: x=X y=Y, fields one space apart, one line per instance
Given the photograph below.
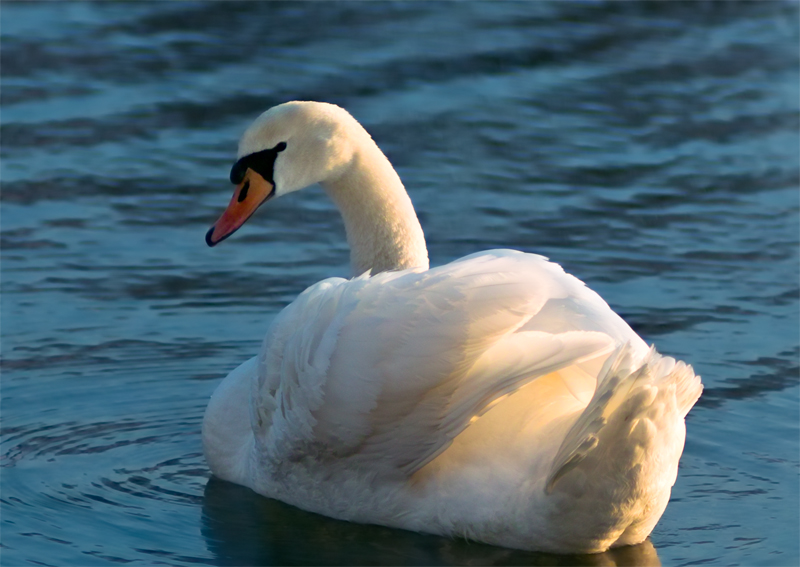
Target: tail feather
x=626 y=387
x=687 y=387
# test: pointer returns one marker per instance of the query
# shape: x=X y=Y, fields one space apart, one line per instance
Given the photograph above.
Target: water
x=651 y=149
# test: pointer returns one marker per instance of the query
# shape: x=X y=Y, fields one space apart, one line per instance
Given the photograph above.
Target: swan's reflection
x=243 y=528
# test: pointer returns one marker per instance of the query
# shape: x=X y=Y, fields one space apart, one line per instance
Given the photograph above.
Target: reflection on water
x=242 y=528
x=650 y=148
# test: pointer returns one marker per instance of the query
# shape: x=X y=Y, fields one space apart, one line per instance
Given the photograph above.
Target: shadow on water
x=243 y=528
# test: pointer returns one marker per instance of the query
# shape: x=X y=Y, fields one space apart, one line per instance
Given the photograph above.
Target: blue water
x=650 y=148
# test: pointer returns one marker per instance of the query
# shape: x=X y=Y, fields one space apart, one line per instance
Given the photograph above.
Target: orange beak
x=250 y=194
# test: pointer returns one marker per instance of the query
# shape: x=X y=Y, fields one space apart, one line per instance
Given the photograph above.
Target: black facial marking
x=262 y=162
x=243 y=192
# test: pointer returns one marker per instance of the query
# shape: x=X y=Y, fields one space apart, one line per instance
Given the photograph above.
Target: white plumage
x=496 y=397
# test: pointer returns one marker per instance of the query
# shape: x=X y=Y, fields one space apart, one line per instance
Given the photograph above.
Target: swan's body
x=495 y=397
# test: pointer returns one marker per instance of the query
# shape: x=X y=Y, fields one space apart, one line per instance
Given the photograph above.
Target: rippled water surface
x=651 y=149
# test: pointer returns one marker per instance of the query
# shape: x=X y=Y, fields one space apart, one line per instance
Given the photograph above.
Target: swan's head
x=289 y=147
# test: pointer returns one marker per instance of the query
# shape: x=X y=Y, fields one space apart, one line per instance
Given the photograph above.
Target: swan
x=495 y=398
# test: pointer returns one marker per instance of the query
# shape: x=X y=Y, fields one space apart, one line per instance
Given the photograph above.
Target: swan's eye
x=243 y=192
x=261 y=162
x=237 y=172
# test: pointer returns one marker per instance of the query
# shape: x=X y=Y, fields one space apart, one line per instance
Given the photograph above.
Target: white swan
x=495 y=398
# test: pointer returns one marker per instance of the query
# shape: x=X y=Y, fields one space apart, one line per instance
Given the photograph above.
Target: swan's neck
x=382 y=228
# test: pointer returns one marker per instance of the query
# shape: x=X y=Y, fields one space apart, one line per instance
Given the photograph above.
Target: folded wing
x=385 y=371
